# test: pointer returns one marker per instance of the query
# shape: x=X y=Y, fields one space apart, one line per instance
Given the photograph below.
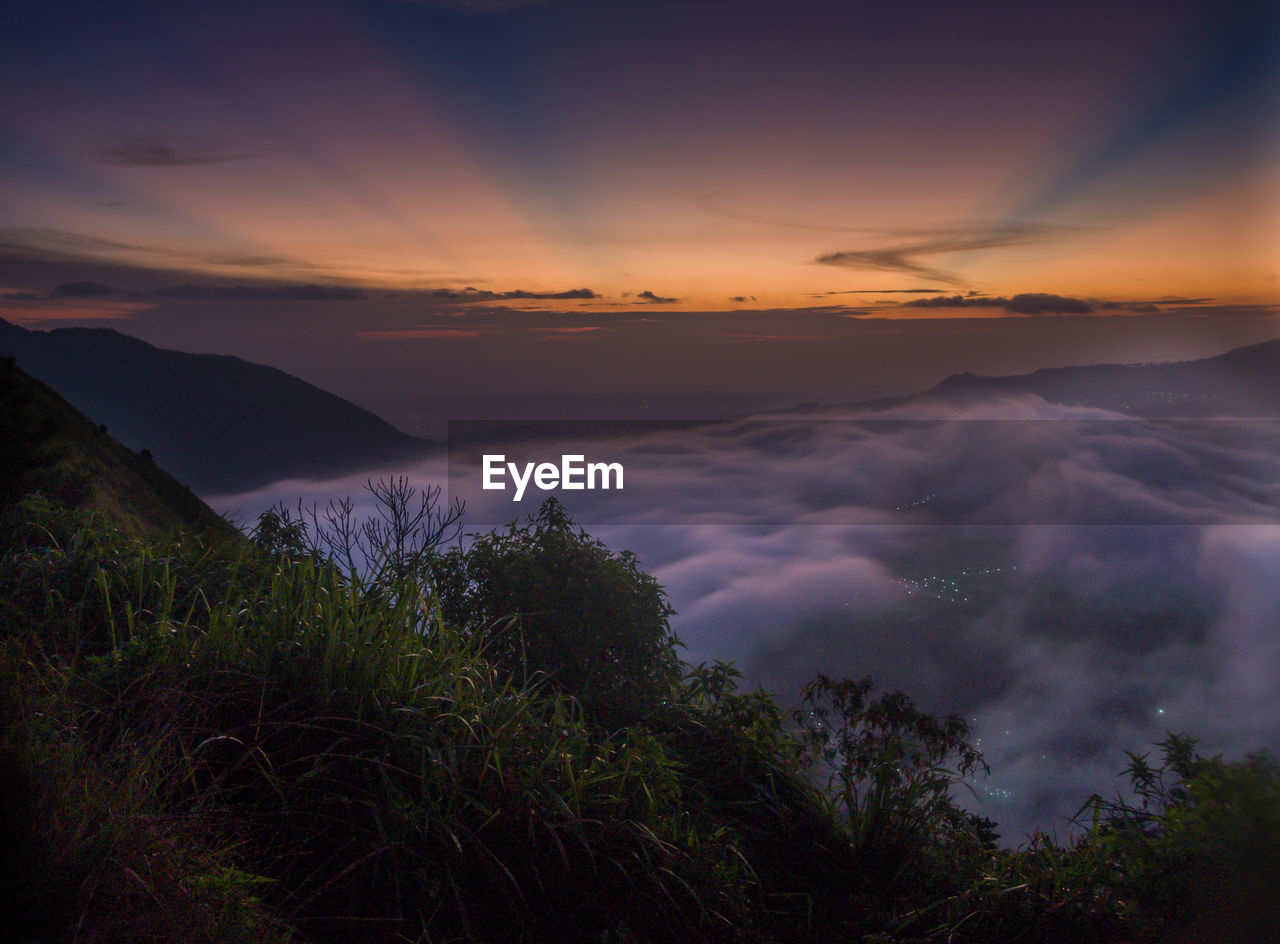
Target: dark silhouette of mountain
x=220 y=423
x=1244 y=382
x=50 y=447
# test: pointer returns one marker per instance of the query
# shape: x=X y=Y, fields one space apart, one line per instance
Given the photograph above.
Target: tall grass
x=388 y=781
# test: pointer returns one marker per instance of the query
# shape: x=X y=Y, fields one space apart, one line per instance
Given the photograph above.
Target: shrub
x=549 y=598
x=890 y=769
x=1197 y=856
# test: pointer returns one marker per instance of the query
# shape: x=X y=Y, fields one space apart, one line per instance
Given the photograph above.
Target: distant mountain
x=48 y=446
x=1242 y=383
x=219 y=423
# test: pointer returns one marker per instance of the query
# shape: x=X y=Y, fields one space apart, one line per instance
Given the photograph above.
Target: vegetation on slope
x=48 y=446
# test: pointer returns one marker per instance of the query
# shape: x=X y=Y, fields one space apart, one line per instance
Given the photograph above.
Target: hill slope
x=1244 y=382
x=48 y=445
x=219 y=423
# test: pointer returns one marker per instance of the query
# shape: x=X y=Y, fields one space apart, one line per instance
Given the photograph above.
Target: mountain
x=47 y=445
x=1244 y=382
x=219 y=423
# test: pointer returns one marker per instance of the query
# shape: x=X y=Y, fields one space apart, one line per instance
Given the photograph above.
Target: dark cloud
x=878 y=291
x=148 y=150
x=649 y=298
x=168 y=262
x=1039 y=303
x=740 y=298
x=307 y=292
x=1033 y=303
x=58 y=243
x=22 y=296
x=85 y=290
x=470 y=294
x=1145 y=308
x=905 y=257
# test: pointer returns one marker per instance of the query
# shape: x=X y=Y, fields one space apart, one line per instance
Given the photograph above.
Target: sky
x=697 y=193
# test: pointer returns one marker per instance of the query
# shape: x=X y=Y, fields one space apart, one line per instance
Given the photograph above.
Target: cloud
x=1143 y=308
x=22 y=296
x=423 y=334
x=149 y=150
x=151 y=264
x=1039 y=303
x=748 y=338
x=42 y=310
x=470 y=294
x=1033 y=303
x=305 y=292
x=85 y=290
x=877 y=291
x=58 y=242
x=1075 y=582
x=905 y=257
x=649 y=298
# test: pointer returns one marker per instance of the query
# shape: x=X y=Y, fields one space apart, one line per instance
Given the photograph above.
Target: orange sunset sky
x=211 y=178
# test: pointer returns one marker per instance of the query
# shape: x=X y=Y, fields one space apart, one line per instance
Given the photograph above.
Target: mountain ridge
x=50 y=447
x=1241 y=382
x=218 y=422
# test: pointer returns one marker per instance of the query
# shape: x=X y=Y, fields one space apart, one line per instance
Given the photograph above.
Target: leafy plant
x=890 y=768
x=551 y=599
x=1196 y=854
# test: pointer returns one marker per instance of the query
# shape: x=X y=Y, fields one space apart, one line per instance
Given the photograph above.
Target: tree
x=1197 y=858
x=890 y=768
x=394 y=544
x=550 y=598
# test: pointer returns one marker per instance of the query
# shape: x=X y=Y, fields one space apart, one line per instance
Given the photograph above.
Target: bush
x=549 y=598
x=1197 y=857
x=890 y=767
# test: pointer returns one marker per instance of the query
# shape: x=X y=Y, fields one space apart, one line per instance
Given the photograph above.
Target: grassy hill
x=219 y=423
x=49 y=446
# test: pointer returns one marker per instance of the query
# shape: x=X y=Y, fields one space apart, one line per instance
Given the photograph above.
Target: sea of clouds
x=1075 y=583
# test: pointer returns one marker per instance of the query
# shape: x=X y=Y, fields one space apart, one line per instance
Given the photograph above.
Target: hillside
x=48 y=445
x=1244 y=382
x=218 y=423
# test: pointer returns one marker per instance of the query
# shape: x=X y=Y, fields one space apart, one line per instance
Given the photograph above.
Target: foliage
x=1196 y=854
x=890 y=767
x=550 y=599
